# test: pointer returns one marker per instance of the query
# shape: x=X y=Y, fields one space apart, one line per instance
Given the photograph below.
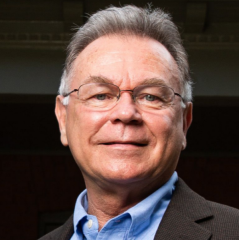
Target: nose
x=125 y=110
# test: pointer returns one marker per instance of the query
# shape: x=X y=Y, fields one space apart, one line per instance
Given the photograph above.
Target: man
x=124 y=110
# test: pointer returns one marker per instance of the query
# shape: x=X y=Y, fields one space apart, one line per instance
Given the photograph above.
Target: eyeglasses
x=105 y=95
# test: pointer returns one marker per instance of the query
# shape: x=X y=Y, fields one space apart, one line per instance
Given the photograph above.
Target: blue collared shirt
x=137 y=223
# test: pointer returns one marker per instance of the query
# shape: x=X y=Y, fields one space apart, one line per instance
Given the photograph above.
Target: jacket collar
x=66 y=231
x=182 y=217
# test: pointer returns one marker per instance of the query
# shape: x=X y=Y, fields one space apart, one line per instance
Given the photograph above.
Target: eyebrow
x=97 y=79
x=102 y=79
x=153 y=81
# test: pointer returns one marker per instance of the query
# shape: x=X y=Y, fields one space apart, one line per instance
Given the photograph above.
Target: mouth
x=125 y=144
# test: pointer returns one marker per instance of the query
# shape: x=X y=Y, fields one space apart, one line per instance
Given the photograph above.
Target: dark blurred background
x=39 y=180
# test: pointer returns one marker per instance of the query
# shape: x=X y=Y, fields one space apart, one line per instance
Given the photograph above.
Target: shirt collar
x=140 y=212
x=81 y=208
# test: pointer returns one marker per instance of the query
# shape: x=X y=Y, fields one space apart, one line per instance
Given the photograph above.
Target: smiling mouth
x=126 y=143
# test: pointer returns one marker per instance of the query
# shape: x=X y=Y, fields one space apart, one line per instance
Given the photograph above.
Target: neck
x=107 y=202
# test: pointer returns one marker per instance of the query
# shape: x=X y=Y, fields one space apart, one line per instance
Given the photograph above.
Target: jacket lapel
x=182 y=217
x=66 y=231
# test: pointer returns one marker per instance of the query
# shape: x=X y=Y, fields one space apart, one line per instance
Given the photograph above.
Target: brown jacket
x=188 y=217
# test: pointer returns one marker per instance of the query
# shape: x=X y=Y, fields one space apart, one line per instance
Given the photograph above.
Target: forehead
x=127 y=60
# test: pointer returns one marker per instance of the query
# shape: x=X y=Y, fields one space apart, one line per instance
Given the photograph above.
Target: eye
x=100 y=96
x=150 y=97
x=150 y=100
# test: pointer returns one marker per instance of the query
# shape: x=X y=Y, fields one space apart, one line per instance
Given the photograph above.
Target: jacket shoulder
x=225 y=219
x=190 y=216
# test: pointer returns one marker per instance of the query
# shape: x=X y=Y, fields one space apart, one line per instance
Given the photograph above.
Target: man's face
x=124 y=144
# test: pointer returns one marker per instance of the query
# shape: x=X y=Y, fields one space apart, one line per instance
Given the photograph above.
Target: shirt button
x=90 y=223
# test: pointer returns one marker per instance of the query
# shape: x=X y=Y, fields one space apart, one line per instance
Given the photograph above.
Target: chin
x=125 y=176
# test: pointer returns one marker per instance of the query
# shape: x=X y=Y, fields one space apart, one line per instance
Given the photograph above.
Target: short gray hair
x=130 y=20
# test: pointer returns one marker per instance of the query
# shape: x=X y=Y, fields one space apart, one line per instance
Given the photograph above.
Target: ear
x=60 y=111
x=187 y=120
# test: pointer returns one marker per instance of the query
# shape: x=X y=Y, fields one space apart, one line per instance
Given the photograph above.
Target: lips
x=139 y=144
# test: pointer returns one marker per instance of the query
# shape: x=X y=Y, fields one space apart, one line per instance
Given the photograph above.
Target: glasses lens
x=154 y=96
x=99 y=95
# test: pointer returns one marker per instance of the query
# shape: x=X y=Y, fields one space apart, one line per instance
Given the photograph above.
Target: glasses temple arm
x=177 y=94
x=67 y=94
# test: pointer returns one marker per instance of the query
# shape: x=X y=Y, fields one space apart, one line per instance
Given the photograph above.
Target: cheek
x=159 y=123
x=164 y=126
x=85 y=123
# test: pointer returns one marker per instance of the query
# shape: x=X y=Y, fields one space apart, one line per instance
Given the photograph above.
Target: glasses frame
x=124 y=90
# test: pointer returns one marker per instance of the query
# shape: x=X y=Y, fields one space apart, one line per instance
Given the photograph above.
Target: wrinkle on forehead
x=103 y=53
x=104 y=79
x=108 y=57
